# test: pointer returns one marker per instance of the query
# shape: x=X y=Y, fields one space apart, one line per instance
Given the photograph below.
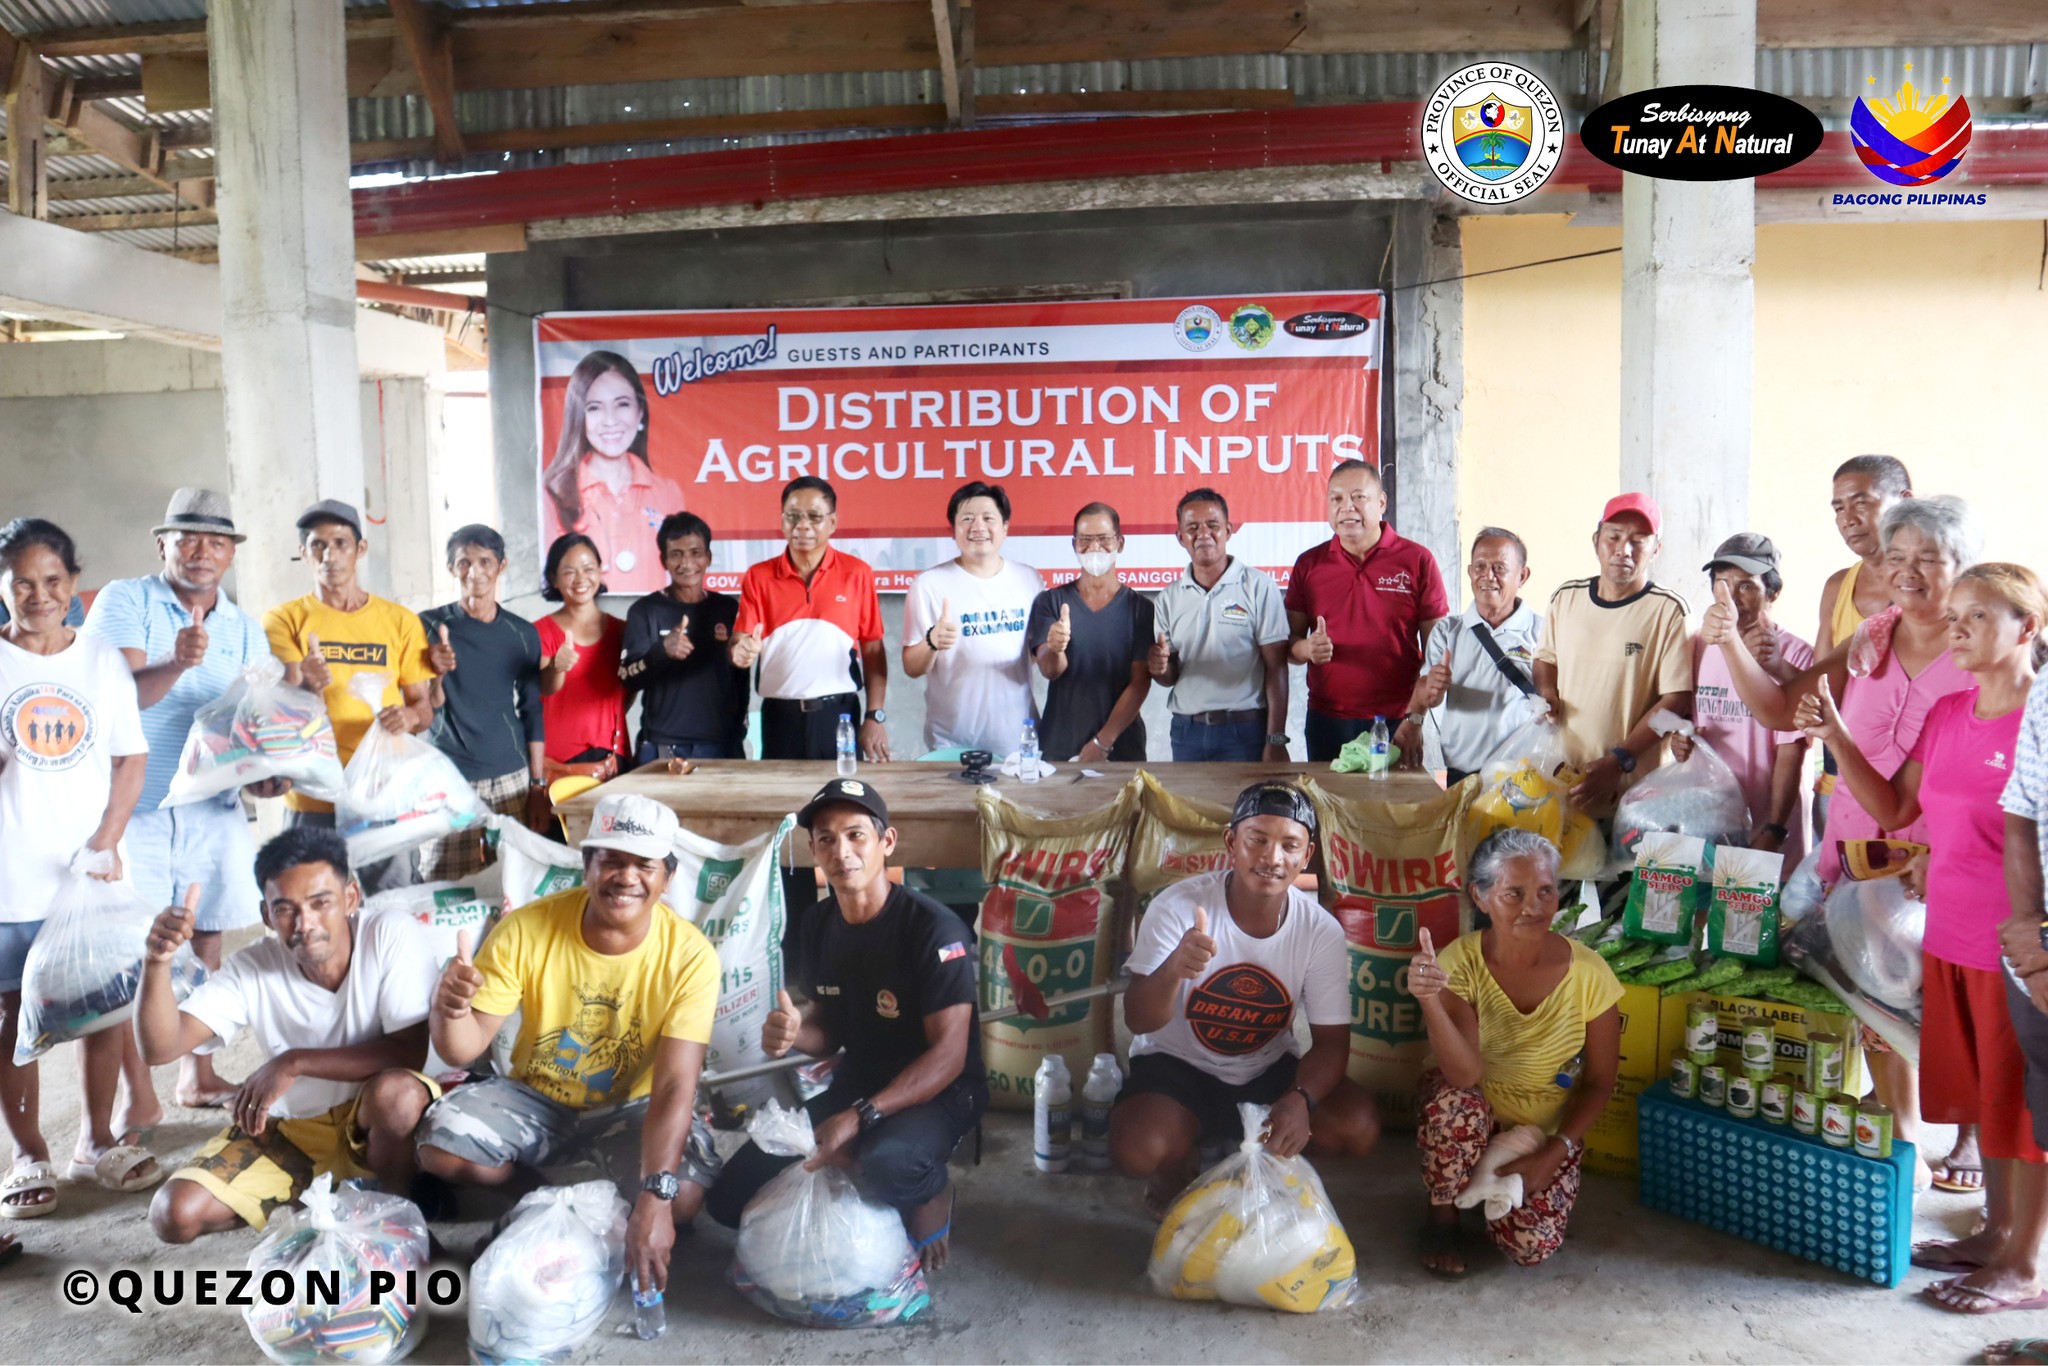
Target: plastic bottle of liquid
x=849 y=756
x=1382 y=750
x=1027 y=754
x=1052 y=1114
x=1568 y=1075
x=650 y=1320
x=1098 y=1094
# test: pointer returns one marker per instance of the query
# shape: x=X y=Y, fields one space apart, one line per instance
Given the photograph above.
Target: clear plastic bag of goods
x=1698 y=796
x=1526 y=782
x=1875 y=930
x=813 y=1250
x=1804 y=891
x=86 y=962
x=398 y=791
x=260 y=728
x=1257 y=1230
x=544 y=1285
x=358 y=1248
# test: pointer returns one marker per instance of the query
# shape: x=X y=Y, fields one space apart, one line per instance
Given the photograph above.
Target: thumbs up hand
x=779 y=1030
x=1321 y=649
x=313 y=671
x=1159 y=659
x=565 y=657
x=1435 y=683
x=1717 y=627
x=675 y=643
x=1061 y=633
x=945 y=632
x=1817 y=717
x=1426 y=978
x=460 y=982
x=189 y=650
x=173 y=927
x=744 y=648
x=441 y=654
x=1191 y=958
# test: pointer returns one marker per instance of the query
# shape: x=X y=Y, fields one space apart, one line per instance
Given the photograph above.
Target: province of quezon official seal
x=1492 y=132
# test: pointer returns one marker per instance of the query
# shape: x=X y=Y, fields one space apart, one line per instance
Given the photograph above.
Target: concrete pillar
x=287 y=274
x=1687 y=303
x=405 y=503
x=1424 y=381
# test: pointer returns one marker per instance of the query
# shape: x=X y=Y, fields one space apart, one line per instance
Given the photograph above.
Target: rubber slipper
x=1440 y=1240
x=27 y=1177
x=116 y=1168
x=2017 y=1352
x=1945 y=1181
x=1979 y=1302
x=1939 y=1254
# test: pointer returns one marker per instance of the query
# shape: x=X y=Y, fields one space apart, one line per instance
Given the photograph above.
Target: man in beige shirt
x=1615 y=649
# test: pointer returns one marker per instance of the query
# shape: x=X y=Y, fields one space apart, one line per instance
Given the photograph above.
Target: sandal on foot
x=1958 y=1298
x=2017 y=1352
x=1939 y=1254
x=25 y=1179
x=1439 y=1240
x=119 y=1168
x=1957 y=1179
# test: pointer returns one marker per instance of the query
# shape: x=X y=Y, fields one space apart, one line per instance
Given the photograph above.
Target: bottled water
x=650 y=1320
x=1027 y=754
x=849 y=755
x=1098 y=1094
x=1382 y=750
x=1052 y=1114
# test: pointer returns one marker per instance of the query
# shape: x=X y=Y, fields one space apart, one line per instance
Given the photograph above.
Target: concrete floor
x=1050 y=1268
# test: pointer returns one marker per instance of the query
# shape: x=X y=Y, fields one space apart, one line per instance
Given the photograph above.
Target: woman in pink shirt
x=601 y=483
x=1889 y=675
x=1972 y=1069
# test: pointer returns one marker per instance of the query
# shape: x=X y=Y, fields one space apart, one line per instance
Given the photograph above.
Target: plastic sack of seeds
x=544 y=1285
x=359 y=1248
x=1256 y=1229
x=86 y=962
x=260 y=728
x=813 y=1250
x=398 y=790
x=1673 y=876
x=1696 y=796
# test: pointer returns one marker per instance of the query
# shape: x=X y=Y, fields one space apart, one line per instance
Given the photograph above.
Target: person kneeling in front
x=337 y=1004
x=1510 y=1008
x=616 y=993
x=893 y=977
x=1223 y=960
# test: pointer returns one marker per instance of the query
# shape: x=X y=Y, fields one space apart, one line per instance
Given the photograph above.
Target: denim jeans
x=649 y=751
x=1194 y=743
x=1327 y=734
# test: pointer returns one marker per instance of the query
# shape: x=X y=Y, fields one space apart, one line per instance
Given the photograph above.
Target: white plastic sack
x=733 y=893
x=86 y=962
x=398 y=791
x=813 y=1250
x=260 y=728
x=1876 y=929
x=532 y=866
x=345 y=1237
x=1256 y=1229
x=1803 y=892
x=439 y=911
x=1699 y=797
x=544 y=1285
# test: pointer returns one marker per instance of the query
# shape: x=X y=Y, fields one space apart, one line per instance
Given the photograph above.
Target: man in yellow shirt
x=333 y=633
x=615 y=993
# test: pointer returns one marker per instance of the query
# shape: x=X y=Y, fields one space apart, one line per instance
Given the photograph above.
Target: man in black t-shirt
x=694 y=702
x=892 y=980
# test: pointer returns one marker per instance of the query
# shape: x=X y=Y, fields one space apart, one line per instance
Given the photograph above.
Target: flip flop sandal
x=1939 y=1254
x=28 y=1177
x=944 y=1230
x=1945 y=1182
x=1440 y=1240
x=1978 y=1302
x=2018 y=1352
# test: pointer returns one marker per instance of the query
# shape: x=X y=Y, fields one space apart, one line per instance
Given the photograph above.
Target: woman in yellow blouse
x=1525 y=1031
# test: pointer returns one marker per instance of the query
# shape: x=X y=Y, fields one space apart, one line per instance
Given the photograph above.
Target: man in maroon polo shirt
x=1359 y=607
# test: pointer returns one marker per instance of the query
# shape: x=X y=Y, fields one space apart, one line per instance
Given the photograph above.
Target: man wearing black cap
x=1223 y=961
x=892 y=977
x=337 y=631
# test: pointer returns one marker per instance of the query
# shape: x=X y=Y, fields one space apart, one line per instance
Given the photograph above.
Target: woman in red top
x=1972 y=1067
x=582 y=700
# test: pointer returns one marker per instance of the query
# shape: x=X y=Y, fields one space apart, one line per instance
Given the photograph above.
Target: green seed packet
x=1742 y=916
x=1669 y=890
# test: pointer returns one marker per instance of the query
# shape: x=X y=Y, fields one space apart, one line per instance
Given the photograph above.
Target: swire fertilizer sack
x=1392 y=869
x=1174 y=837
x=1050 y=912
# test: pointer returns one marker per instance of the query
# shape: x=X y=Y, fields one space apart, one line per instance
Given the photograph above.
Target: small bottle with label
x=1098 y=1096
x=849 y=755
x=1027 y=754
x=1382 y=751
x=650 y=1319
x=1052 y=1114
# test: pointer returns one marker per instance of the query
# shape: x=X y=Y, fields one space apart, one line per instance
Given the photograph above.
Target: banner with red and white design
x=1131 y=402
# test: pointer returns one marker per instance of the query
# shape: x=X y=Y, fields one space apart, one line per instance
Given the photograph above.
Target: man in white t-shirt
x=1223 y=962
x=338 y=1006
x=963 y=630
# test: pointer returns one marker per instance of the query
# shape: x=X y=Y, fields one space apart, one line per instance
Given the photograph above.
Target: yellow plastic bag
x=1526 y=783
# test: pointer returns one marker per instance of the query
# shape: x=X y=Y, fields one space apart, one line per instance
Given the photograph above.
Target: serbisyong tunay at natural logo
x=1492 y=132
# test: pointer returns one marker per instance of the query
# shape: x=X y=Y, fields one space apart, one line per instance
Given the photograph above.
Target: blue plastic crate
x=1773 y=1185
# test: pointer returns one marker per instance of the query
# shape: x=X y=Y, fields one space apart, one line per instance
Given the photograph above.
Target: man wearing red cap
x=1615 y=650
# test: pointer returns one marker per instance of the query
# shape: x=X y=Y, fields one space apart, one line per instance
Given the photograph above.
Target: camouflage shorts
x=499 y=1120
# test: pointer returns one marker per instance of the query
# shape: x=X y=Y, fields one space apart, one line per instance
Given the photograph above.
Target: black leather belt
x=1226 y=718
x=839 y=701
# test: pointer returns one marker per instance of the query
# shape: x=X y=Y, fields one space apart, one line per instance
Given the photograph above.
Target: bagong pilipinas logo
x=673 y=371
x=1911 y=139
x=1492 y=132
x=1239 y=1010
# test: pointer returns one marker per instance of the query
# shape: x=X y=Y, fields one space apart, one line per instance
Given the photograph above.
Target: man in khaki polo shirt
x=1615 y=649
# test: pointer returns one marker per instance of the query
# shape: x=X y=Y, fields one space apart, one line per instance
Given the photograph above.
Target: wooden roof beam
x=424 y=36
x=132 y=222
x=28 y=173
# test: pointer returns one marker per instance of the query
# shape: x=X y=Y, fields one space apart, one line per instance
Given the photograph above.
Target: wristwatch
x=533 y=782
x=661 y=1185
x=1278 y=737
x=869 y=1115
x=1776 y=831
x=878 y=714
x=1624 y=758
x=1306 y=1098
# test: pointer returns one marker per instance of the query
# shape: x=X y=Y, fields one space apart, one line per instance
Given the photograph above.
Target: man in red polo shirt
x=1359 y=607
x=806 y=617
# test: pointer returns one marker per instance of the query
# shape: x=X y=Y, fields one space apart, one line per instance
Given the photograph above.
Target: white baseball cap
x=634 y=825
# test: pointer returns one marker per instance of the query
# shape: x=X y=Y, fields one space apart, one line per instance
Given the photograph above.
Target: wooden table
x=733 y=799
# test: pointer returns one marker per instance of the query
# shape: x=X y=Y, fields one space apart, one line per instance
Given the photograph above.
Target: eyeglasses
x=1096 y=542
x=799 y=518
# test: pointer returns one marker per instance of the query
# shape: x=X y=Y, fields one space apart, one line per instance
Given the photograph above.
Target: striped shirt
x=145 y=615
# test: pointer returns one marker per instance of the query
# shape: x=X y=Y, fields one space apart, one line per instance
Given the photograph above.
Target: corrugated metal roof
x=164 y=239
x=36 y=16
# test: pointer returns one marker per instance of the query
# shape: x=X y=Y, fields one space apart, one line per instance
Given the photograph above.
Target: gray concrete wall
x=1139 y=253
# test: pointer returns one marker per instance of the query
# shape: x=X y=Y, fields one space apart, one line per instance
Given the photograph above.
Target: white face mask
x=1096 y=563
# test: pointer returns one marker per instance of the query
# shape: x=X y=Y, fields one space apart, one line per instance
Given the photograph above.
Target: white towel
x=1500 y=1194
